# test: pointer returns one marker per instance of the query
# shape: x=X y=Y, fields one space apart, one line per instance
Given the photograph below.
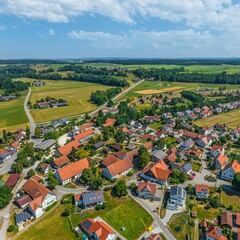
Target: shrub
x=11 y=228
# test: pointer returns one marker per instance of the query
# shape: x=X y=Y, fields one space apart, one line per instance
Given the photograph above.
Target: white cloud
x=51 y=32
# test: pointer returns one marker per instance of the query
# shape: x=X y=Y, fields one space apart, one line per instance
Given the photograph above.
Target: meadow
x=148 y=88
x=12 y=115
x=231 y=119
x=77 y=95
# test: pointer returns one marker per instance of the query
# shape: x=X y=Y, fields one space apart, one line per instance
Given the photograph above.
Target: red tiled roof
x=222 y=159
x=202 y=188
x=73 y=169
x=12 y=180
x=3 y=151
x=84 y=134
x=86 y=125
x=119 y=166
x=66 y=149
x=236 y=166
x=226 y=219
x=171 y=157
x=101 y=229
x=36 y=203
x=109 y=159
x=148 y=185
x=15 y=144
x=148 y=145
x=109 y=122
x=61 y=161
x=216 y=147
x=238 y=218
x=213 y=233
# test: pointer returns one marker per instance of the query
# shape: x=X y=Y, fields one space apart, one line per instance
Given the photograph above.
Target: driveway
x=5 y=167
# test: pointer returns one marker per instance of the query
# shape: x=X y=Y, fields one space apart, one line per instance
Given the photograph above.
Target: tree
x=5 y=136
x=5 y=196
x=215 y=202
x=37 y=132
x=87 y=177
x=143 y=157
x=17 y=167
x=52 y=181
x=81 y=153
x=97 y=183
x=31 y=173
x=236 y=181
x=110 y=103
x=28 y=132
x=120 y=189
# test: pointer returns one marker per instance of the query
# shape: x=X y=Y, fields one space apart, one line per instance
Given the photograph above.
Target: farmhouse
x=71 y=171
x=42 y=197
x=66 y=149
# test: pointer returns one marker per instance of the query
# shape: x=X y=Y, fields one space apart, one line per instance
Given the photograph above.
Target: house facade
x=177 y=198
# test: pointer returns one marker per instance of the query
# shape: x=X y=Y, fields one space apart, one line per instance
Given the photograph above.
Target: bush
x=98 y=207
x=207 y=207
x=11 y=228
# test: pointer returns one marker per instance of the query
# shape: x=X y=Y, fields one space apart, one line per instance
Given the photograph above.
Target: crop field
x=231 y=119
x=12 y=115
x=148 y=88
x=77 y=95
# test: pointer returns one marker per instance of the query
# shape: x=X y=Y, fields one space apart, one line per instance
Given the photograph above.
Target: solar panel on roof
x=92 y=197
x=22 y=216
x=87 y=224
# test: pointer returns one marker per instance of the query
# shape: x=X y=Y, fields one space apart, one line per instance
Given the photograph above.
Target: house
x=148 y=190
x=118 y=168
x=84 y=136
x=160 y=134
x=66 y=149
x=7 y=98
x=42 y=197
x=97 y=230
x=187 y=144
x=227 y=219
x=61 y=161
x=109 y=122
x=157 y=155
x=170 y=158
x=230 y=170
x=202 y=190
x=23 y=217
x=156 y=172
x=167 y=115
x=215 y=233
x=89 y=199
x=192 y=135
x=44 y=168
x=220 y=127
x=12 y=180
x=14 y=146
x=98 y=145
x=204 y=141
x=195 y=153
x=37 y=84
x=177 y=198
x=4 y=155
x=148 y=146
x=72 y=171
x=221 y=161
x=23 y=200
x=186 y=168
x=216 y=150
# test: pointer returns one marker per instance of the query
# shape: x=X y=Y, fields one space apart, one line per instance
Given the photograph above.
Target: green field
x=12 y=115
x=148 y=88
x=181 y=222
x=230 y=199
x=77 y=95
x=119 y=212
x=231 y=119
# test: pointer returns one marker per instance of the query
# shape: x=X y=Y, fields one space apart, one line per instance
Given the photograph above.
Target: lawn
x=202 y=213
x=119 y=212
x=230 y=199
x=182 y=223
x=76 y=93
x=231 y=119
x=148 y=88
x=156 y=125
x=51 y=226
x=12 y=115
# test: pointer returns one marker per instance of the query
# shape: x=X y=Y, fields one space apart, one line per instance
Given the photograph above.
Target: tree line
x=100 y=97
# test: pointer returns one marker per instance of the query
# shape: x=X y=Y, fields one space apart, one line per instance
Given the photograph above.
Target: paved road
x=116 y=98
x=155 y=216
x=5 y=167
x=31 y=121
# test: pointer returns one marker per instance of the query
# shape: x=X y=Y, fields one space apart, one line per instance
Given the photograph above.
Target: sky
x=119 y=28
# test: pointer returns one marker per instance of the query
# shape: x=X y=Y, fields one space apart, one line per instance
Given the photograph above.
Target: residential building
x=230 y=170
x=4 y=155
x=157 y=155
x=215 y=233
x=97 y=230
x=89 y=199
x=216 y=150
x=221 y=161
x=177 y=198
x=72 y=171
x=202 y=190
x=61 y=162
x=148 y=190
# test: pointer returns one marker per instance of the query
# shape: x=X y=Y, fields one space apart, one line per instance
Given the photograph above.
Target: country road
x=31 y=121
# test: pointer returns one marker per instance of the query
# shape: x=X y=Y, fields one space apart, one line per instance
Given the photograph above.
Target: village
x=168 y=171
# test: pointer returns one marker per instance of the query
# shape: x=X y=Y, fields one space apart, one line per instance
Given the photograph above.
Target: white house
x=230 y=170
x=177 y=198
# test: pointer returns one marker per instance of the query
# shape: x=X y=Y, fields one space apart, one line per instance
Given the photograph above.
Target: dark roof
x=46 y=144
x=92 y=197
x=22 y=216
x=12 y=180
x=98 y=145
x=24 y=199
x=179 y=191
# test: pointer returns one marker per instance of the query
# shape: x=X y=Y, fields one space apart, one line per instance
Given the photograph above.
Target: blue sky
x=119 y=28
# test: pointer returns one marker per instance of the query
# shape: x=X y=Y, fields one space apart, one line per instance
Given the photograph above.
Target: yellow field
x=231 y=119
x=77 y=95
x=151 y=91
